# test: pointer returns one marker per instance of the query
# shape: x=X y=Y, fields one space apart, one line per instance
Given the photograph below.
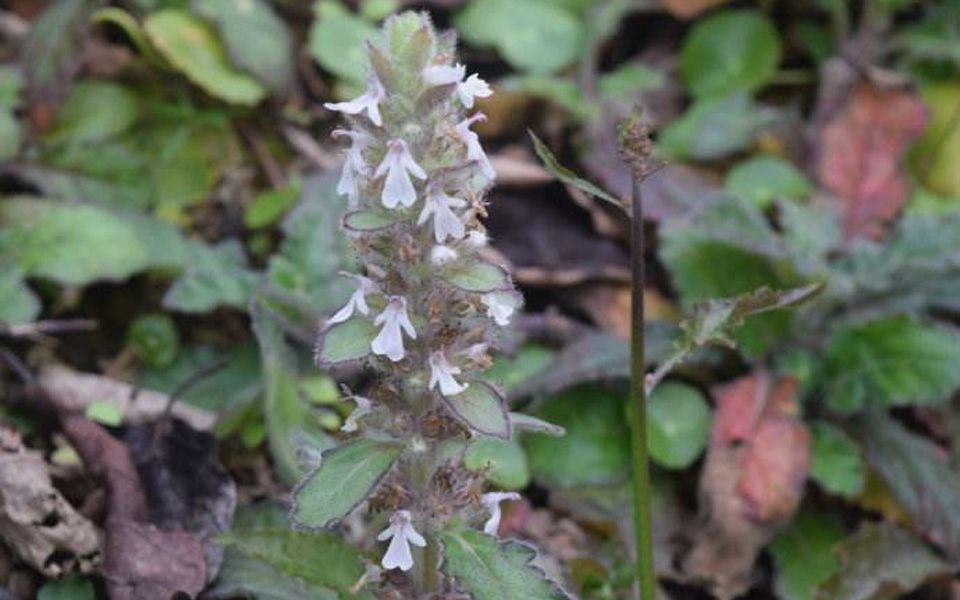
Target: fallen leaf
x=860 y=150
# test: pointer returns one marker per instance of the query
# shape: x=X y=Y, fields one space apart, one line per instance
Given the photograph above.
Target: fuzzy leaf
x=346 y=341
x=481 y=408
x=803 y=554
x=569 y=177
x=731 y=50
x=881 y=560
x=346 y=476
x=193 y=49
x=491 y=570
x=525 y=422
x=678 y=424
x=368 y=220
x=835 y=461
x=244 y=577
x=892 y=362
x=257 y=39
x=216 y=276
x=479 y=277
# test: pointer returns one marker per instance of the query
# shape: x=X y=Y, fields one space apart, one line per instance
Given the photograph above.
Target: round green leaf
x=596 y=448
x=678 y=423
x=346 y=341
x=804 y=556
x=194 y=50
x=481 y=408
x=729 y=51
x=763 y=179
x=835 y=462
x=338 y=41
x=505 y=462
x=155 y=339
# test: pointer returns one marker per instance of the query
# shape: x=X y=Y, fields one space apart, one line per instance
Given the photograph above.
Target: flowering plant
x=424 y=317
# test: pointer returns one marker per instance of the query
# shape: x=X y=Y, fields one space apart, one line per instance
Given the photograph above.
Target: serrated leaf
x=481 y=408
x=569 y=177
x=18 y=303
x=290 y=425
x=346 y=341
x=918 y=475
x=243 y=577
x=835 y=461
x=678 y=424
x=346 y=476
x=892 y=362
x=731 y=50
x=368 y=220
x=803 y=554
x=479 y=277
x=76 y=244
x=491 y=570
x=881 y=560
x=215 y=276
x=193 y=49
x=257 y=39
x=503 y=462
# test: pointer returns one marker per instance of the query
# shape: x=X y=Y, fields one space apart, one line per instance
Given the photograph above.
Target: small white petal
x=397 y=165
x=394 y=318
x=357 y=301
x=446 y=223
x=401 y=534
x=491 y=502
x=500 y=306
x=441 y=374
x=441 y=255
x=443 y=74
x=472 y=141
x=473 y=87
x=368 y=101
x=477 y=238
x=363 y=408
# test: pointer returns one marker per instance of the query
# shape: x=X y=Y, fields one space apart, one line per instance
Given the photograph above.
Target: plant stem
x=641 y=468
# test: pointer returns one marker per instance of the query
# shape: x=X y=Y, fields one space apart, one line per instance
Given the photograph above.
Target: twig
x=47 y=327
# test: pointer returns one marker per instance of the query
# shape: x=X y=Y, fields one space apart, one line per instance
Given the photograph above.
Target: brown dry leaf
x=752 y=481
x=608 y=305
x=687 y=9
x=861 y=147
x=38 y=525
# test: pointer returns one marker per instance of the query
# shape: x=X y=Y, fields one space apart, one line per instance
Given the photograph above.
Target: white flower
x=445 y=221
x=369 y=101
x=362 y=409
x=389 y=342
x=500 y=306
x=491 y=501
x=353 y=164
x=398 y=165
x=442 y=372
x=474 y=149
x=477 y=238
x=401 y=534
x=472 y=88
x=357 y=301
x=441 y=255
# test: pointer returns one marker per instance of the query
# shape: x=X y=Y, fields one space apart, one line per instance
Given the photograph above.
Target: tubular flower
x=491 y=501
x=353 y=165
x=389 y=342
x=357 y=301
x=442 y=372
x=474 y=149
x=446 y=223
x=401 y=534
x=362 y=409
x=500 y=306
x=473 y=87
x=398 y=165
x=369 y=101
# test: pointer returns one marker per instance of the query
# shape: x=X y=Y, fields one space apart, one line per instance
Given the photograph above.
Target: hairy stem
x=641 y=467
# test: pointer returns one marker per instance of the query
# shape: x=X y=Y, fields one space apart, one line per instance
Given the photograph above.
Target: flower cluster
x=429 y=299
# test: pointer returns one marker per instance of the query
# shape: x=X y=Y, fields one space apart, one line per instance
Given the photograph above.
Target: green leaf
x=10 y=135
x=368 y=220
x=556 y=89
x=881 y=560
x=482 y=409
x=346 y=341
x=491 y=570
x=194 y=50
x=344 y=479
x=596 y=448
x=892 y=362
x=919 y=477
x=763 y=179
x=269 y=206
x=531 y=35
x=569 y=177
x=155 y=339
x=94 y=111
x=524 y=422
x=835 y=461
x=627 y=81
x=11 y=86
x=18 y=304
x=257 y=39
x=104 y=412
x=290 y=424
x=268 y=560
x=74 y=587
x=504 y=462
x=803 y=554
x=216 y=276
x=934 y=156
x=678 y=424
x=728 y=51
x=338 y=40
x=76 y=244
x=716 y=127
x=51 y=48
x=509 y=371
x=477 y=276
